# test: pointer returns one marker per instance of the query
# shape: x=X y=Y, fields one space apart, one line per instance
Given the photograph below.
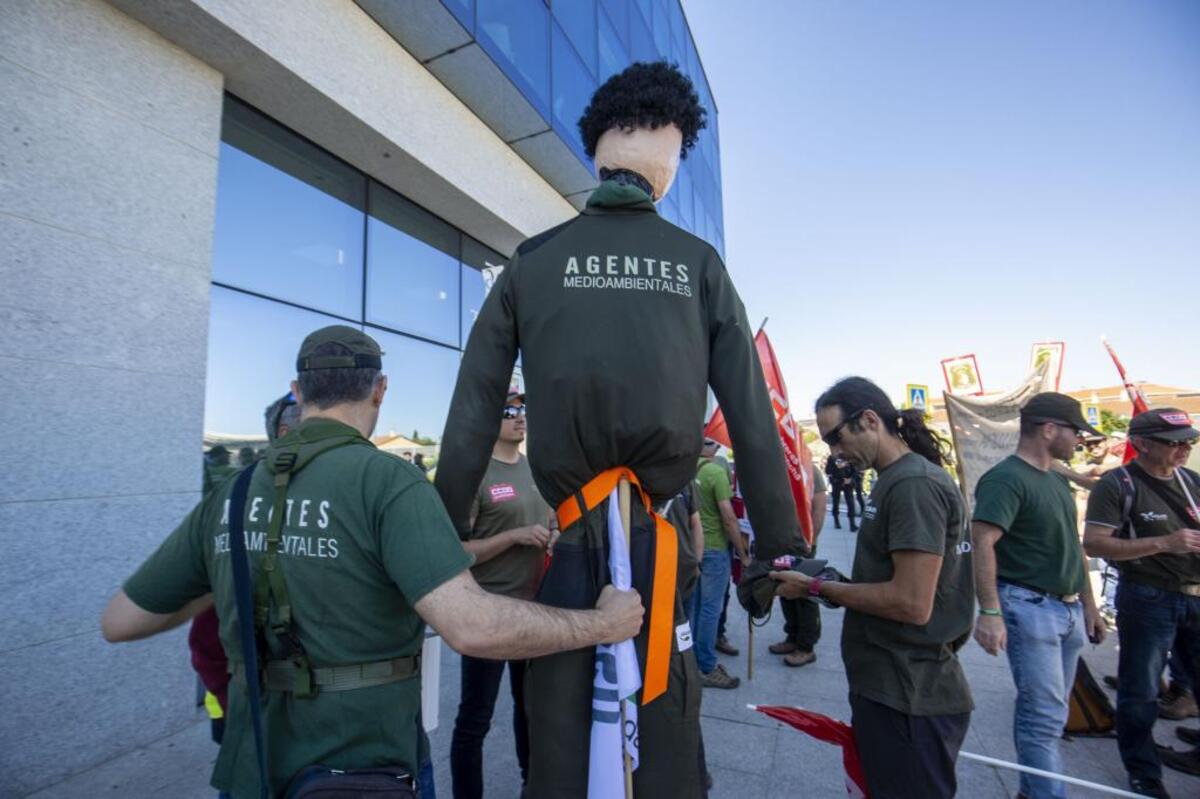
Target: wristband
x=814 y=587
x=990 y=612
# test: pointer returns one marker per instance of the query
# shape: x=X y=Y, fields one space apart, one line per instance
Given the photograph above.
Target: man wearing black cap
x=351 y=552
x=1035 y=600
x=1144 y=518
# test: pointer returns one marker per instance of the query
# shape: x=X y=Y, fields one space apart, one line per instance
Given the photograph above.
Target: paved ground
x=749 y=754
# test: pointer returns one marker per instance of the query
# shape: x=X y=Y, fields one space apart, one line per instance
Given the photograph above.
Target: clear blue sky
x=905 y=182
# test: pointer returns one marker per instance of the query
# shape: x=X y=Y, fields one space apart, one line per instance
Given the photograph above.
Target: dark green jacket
x=622 y=320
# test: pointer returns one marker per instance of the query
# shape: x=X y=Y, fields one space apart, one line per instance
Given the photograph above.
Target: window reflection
x=517 y=32
x=578 y=21
x=289 y=219
x=613 y=57
x=420 y=382
x=412 y=269
x=480 y=266
x=573 y=89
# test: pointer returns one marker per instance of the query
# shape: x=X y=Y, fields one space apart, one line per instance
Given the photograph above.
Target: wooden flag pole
x=750 y=648
x=623 y=502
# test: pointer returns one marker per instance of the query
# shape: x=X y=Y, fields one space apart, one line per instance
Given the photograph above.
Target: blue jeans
x=1045 y=637
x=707 y=601
x=1150 y=621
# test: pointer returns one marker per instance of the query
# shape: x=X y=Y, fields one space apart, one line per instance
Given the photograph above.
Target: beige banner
x=985 y=429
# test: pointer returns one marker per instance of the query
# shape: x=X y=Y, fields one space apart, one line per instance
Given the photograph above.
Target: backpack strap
x=1128 y=494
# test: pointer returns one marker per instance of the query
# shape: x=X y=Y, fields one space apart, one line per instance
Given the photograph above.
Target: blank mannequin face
x=652 y=153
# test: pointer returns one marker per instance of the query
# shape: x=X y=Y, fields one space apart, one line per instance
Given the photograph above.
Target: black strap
x=244 y=596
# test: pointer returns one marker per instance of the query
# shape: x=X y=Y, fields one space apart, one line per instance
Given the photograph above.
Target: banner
x=823 y=728
x=1049 y=353
x=795 y=451
x=617 y=680
x=985 y=431
x=962 y=375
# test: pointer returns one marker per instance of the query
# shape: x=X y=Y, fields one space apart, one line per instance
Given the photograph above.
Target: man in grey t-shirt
x=909 y=608
x=511 y=531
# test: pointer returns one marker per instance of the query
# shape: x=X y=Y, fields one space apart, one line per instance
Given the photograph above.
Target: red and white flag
x=799 y=459
x=823 y=728
x=1135 y=396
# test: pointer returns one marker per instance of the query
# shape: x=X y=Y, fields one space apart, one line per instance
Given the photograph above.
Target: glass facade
x=303 y=240
x=558 y=51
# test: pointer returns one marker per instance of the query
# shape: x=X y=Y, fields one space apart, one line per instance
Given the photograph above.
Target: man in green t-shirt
x=719 y=523
x=361 y=555
x=1035 y=600
x=909 y=607
x=511 y=531
x=1144 y=518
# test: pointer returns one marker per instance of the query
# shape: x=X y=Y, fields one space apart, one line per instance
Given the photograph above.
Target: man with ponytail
x=910 y=601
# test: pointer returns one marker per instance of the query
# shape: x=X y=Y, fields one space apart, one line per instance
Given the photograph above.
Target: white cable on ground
x=1037 y=772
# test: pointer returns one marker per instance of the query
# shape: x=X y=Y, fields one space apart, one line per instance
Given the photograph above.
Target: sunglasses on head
x=513 y=411
x=834 y=436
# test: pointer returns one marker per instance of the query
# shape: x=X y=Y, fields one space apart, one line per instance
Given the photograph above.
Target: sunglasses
x=1173 y=444
x=834 y=436
x=513 y=411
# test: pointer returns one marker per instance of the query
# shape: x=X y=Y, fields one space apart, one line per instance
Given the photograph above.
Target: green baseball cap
x=364 y=351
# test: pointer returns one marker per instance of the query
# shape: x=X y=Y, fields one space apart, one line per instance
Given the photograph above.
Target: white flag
x=617 y=678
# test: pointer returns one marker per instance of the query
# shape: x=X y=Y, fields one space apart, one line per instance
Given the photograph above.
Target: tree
x=1111 y=423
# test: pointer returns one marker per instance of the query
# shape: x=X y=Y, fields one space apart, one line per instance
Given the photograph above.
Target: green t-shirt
x=1036 y=510
x=507 y=499
x=1152 y=515
x=913 y=669
x=365 y=538
x=712 y=486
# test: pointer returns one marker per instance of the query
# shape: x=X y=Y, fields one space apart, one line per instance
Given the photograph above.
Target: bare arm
x=484 y=549
x=983 y=554
x=1102 y=542
x=125 y=620
x=907 y=597
x=481 y=624
x=1082 y=480
x=697 y=535
x=729 y=523
x=819 y=504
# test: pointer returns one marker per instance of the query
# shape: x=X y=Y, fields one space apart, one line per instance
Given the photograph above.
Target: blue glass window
x=480 y=265
x=242 y=380
x=578 y=21
x=679 y=32
x=683 y=196
x=662 y=30
x=573 y=89
x=464 y=11
x=644 y=7
x=618 y=12
x=516 y=34
x=289 y=217
x=421 y=380
x=412 y=269
x=613 y=57
x=641 y=42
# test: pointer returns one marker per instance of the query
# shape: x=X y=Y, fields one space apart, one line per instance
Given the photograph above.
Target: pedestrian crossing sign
x=918 y=396
x=1093 y=414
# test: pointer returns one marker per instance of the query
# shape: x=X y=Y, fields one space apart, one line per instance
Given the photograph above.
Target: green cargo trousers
x=558 y=688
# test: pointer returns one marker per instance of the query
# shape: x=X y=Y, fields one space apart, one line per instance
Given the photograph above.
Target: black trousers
x=801 y=622
x=558 y=696
x=848 y=493
x=907 y=757
x=480 y=687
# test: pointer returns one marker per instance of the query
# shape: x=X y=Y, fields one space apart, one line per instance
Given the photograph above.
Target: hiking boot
x=725 y=648
x=799 y=658
x=1148 y=786
x=1189 y=735
x=1187 y=762
x=1177 y=704
x=837 y=524
x=784 y=647
x=719 y=678
x=1110 y=681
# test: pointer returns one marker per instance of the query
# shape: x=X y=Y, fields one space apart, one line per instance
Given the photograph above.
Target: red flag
x=1135 y=396
x=823 y=728
x=799 y=459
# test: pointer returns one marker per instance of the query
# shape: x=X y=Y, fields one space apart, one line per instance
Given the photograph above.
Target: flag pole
x=623 y=502
x=762 y=326
x=750 y=648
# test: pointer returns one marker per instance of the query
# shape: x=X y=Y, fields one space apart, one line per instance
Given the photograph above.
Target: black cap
x=1169 y=424
x=1050 y=406
x=364 y=351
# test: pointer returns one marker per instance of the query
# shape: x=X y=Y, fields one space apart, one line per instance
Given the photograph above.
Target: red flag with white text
x=799 y=459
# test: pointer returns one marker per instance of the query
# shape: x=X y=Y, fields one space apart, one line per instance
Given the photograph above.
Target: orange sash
x=666 y=555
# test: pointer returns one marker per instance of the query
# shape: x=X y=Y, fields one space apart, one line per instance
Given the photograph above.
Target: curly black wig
x=645 y=95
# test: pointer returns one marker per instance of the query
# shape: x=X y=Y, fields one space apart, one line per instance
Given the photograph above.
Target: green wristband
x=990 y=612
